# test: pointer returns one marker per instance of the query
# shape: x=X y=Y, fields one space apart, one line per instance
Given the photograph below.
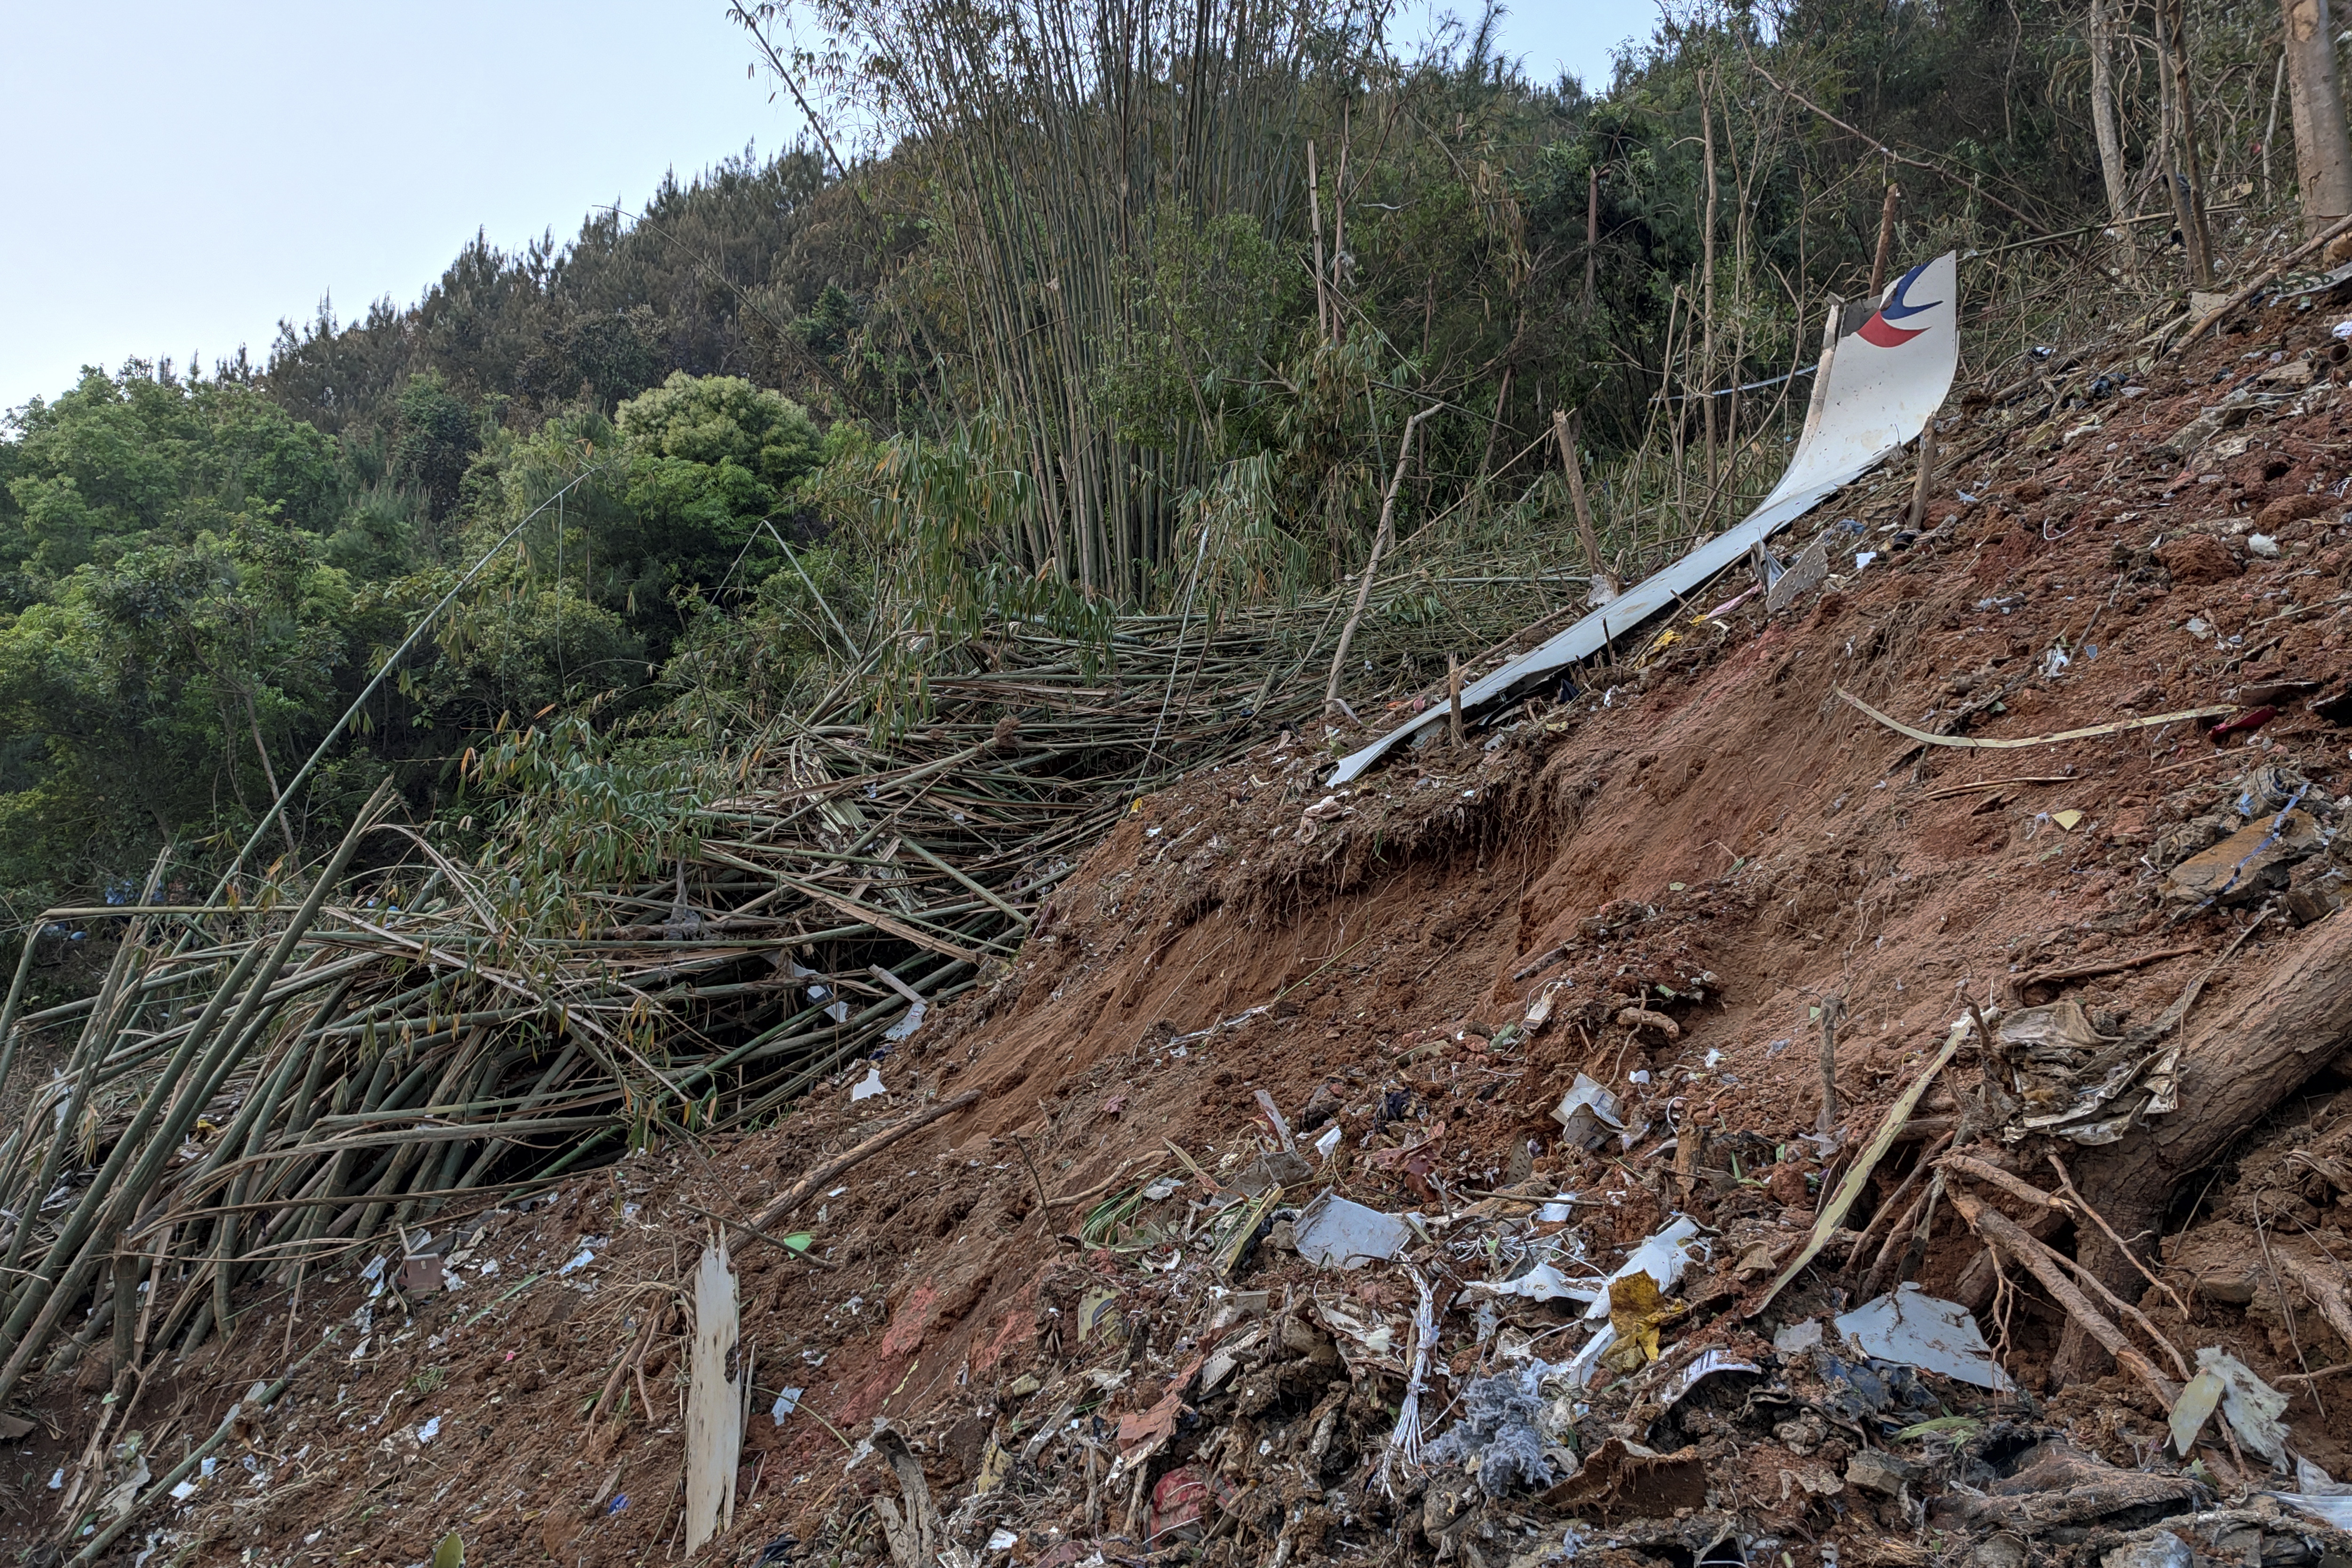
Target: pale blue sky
x=180 y=177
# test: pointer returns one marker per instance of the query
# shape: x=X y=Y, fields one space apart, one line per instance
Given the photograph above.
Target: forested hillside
x=1064 y=314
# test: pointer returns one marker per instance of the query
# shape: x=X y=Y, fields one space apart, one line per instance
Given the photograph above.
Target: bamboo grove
x=1182 y=277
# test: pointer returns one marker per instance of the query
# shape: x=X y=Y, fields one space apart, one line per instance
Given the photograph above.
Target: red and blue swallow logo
x=1881 y=330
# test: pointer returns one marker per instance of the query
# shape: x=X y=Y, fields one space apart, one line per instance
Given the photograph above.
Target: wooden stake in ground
x=1706 y=295
x=714 y=1428
x=1832 y=1009
x=1380 y=537
x=1886 y=240
x=1454 y=698
x=1591 y=230
x=1563 y=431
x=1926 y=477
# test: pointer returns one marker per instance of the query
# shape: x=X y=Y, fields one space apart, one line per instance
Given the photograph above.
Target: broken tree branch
x=2016 y=1187
x=1977 y=743
x=1890 y=153
x=1380 y=537
x=2067 y=1184
x=2004 y=1233
x=2240 y=297
x=798 y=1193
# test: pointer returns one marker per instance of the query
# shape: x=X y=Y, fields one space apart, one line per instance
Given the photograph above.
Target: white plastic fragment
x=1584 y=1110
x=430 y=1430
x=1580 y=1366
x=1328 y=1143
x=580 y=1259
x=787 y=1401
x=1541 y=1283
x=2252 y=1406
x=1705 y=1364
x=1334 y=1233
x=1539 y=1010
x=124 y=1496
x=2335 y=1511
x=2310 y=1478
x=1925 y=1332
x=2264 y=545
x=915 y=1007
x=182 y=1491
x=1663 y=1257
x=868 y=1087
x=1794 y=1339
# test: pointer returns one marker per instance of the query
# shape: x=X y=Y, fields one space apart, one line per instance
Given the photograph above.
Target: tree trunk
x=1706 y=262
x=2189 y=172
x=2111 y=141
x=1592 y=235
x=2323 y=151
x=2254 y=1048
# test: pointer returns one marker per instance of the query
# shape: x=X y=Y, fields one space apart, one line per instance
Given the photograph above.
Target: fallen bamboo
x=270 y=1081
x=1832 y=1218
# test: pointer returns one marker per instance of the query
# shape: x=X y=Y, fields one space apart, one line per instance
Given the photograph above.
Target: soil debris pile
x=1763 y=1099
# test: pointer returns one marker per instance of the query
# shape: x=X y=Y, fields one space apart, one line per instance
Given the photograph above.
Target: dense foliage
x=1078 y=333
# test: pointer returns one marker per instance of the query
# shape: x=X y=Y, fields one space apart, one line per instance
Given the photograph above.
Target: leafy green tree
x=433 y=442
x=706 y=459
x=148 y=696
x=120 y=462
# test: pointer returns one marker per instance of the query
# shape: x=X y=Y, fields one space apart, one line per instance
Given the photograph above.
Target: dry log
x=2253 y=1047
